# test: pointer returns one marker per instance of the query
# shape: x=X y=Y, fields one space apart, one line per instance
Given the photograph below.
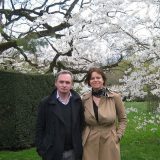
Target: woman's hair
x=89 y=74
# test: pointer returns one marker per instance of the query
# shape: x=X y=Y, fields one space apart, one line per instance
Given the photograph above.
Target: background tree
x=44 y=36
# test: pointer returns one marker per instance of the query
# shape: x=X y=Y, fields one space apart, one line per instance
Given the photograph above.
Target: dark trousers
x=68 y=155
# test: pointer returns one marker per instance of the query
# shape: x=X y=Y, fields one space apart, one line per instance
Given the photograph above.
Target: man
x=59 y=122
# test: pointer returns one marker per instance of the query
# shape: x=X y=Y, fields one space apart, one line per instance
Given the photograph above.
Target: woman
x=105 y=119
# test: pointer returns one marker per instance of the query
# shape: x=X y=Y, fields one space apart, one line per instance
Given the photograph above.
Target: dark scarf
x=100 y=93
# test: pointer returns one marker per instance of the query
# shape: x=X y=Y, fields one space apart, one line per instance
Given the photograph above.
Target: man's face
x=64 y=83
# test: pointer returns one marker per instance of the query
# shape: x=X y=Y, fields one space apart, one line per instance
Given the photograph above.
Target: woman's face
x=96 y=81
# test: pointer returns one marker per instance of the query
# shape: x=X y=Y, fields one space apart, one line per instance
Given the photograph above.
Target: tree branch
x=34 y=35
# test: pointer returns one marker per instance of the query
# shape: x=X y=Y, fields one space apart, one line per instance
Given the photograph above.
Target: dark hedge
x=19 y=97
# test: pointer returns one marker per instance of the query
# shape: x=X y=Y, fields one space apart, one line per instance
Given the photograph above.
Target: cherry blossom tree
x=44 y=36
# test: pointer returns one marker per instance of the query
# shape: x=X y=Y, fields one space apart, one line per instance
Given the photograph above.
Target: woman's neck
x=99 y=92
x=97 y=89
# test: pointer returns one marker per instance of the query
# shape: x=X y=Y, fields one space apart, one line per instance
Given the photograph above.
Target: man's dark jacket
x=50 y=127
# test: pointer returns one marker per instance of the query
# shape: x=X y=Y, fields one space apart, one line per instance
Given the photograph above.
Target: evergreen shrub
x=19 y=97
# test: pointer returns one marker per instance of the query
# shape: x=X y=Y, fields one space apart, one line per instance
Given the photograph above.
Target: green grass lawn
x=140 y=142
x=29 y=154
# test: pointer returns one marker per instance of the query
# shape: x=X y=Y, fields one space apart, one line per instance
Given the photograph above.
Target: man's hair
x=64 y=72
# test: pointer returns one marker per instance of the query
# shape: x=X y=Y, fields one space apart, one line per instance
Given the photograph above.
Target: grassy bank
x=140 y=142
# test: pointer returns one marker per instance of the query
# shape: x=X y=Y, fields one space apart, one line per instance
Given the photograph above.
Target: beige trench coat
x=101 y=139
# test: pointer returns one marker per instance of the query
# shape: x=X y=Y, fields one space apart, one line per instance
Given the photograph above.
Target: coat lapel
x=55 y=108
x=88 y=103
x=74 y=112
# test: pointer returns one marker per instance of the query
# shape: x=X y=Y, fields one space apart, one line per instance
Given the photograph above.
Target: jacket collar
x=53 y=96
x=109 y=94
